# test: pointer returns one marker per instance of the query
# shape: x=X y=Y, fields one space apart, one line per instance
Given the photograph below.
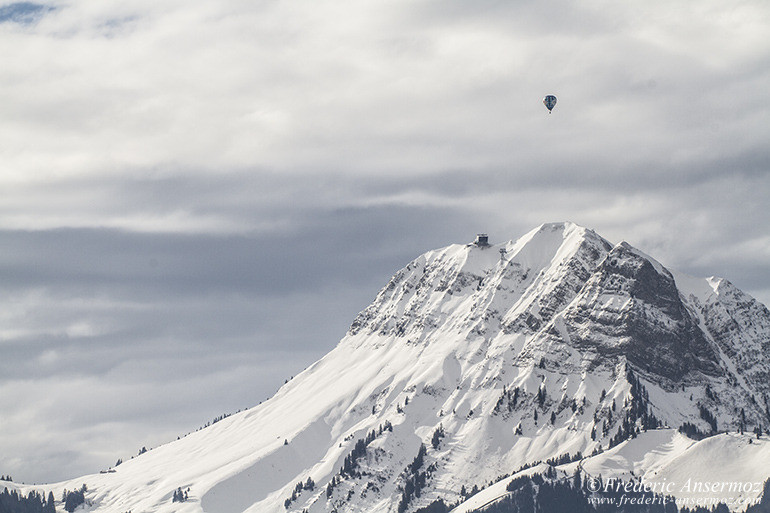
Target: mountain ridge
x=492 y=357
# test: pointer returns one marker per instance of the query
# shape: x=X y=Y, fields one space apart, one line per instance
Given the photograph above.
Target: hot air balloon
x=550 y=102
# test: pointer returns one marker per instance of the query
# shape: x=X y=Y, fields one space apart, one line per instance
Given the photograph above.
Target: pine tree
x=74 y=499
x=50 y=505
x=576 y=481
x=435 y=440
x=742 y=422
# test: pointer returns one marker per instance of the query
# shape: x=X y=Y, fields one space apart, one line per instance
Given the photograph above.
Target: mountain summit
x=480 y=360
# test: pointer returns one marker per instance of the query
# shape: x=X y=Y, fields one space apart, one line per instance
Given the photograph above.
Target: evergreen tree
x=13 y=502
x=436 y=506
x=438 y=434
x=50 y=505
x=576 y=481
x=74 y=499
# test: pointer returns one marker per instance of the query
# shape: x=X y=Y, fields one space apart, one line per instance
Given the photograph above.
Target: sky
x=197 y=197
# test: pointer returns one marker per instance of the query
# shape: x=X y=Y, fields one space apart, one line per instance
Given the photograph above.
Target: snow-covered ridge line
x=492 y=357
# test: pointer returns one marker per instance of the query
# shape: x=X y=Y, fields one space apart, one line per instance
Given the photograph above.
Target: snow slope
x=724 y=468
x=518 y=352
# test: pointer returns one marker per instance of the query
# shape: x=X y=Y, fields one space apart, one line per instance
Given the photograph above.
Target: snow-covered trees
x=438 y=434
x=74 y=499
x=179 y=495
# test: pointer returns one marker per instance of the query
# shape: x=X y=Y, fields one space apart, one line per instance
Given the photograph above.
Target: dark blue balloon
x=549 y=102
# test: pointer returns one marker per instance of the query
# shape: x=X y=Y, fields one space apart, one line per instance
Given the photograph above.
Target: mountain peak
x=560 y=225
x=477 y=361
x=547 y=264
x=624 y=248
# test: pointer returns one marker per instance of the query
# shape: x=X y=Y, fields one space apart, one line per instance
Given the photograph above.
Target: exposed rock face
x=631 y=307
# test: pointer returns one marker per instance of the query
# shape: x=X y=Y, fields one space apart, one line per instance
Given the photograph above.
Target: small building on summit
x=482 y=240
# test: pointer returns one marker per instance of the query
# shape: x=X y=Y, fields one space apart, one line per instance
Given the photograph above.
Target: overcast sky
x=197 y=197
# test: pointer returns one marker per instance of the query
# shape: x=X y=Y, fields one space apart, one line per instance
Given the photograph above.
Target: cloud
x=405 y=90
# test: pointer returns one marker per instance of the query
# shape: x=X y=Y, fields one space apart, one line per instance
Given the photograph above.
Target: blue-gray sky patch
x=23 y=13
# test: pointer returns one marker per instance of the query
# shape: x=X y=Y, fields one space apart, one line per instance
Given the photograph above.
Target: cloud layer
x=198 y=197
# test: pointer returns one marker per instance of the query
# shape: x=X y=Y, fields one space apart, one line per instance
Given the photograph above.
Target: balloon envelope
x=549 y=102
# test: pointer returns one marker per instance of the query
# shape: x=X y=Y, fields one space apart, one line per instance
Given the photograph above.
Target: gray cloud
x=198 y=198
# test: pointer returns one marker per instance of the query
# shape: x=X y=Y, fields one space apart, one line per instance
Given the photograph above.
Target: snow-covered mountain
x=474 y=362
